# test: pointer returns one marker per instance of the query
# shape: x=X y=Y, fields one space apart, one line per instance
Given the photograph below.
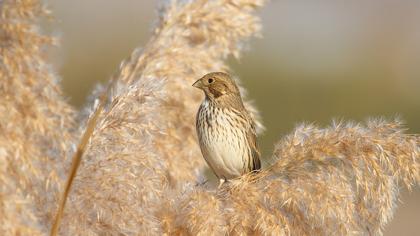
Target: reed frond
x=35 y=122
x=339 y=180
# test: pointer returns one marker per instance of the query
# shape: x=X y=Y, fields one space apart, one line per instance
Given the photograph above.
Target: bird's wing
x=251 y=137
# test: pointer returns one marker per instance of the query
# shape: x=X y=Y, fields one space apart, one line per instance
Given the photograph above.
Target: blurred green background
x=317 y=60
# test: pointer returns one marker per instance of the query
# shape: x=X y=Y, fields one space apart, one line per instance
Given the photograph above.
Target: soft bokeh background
x=317 y=60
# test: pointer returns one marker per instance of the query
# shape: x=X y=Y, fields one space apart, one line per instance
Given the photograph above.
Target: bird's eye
x=210 y=80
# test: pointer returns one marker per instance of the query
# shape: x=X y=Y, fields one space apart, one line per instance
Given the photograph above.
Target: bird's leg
x=221 y=182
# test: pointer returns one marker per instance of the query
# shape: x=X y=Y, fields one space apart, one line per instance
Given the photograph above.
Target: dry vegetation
x=35 y=123
x=141 y=166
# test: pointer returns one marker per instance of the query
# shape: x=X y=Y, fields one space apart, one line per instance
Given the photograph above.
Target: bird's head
x=216 y=85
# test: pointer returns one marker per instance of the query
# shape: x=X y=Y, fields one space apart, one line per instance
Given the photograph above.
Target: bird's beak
x=198 y=84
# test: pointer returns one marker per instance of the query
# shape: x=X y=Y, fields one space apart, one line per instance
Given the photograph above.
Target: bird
x=225 y=129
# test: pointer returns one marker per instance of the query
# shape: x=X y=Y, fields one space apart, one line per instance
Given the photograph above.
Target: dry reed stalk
x=35 y=123
x=341 y=180
x=144 y=142
x=77 y=157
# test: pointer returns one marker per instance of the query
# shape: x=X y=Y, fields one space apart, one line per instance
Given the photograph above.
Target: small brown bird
x=225 y=129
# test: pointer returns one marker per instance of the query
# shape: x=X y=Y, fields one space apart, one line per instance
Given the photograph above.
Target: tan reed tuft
x=35 y=123
x=339 y=180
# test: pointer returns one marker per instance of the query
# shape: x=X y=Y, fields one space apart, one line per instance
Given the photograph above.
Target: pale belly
x=220 y=145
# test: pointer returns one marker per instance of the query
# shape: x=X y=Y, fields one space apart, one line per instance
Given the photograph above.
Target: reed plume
x=35 y=122
x=339 y=180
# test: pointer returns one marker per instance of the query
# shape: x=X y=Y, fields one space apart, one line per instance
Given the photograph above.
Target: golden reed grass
x=77 y=156
x=141 y=163
x=339 y=180
x=35 y=123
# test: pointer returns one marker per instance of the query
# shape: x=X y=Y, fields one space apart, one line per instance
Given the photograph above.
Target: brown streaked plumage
x=225 y=129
